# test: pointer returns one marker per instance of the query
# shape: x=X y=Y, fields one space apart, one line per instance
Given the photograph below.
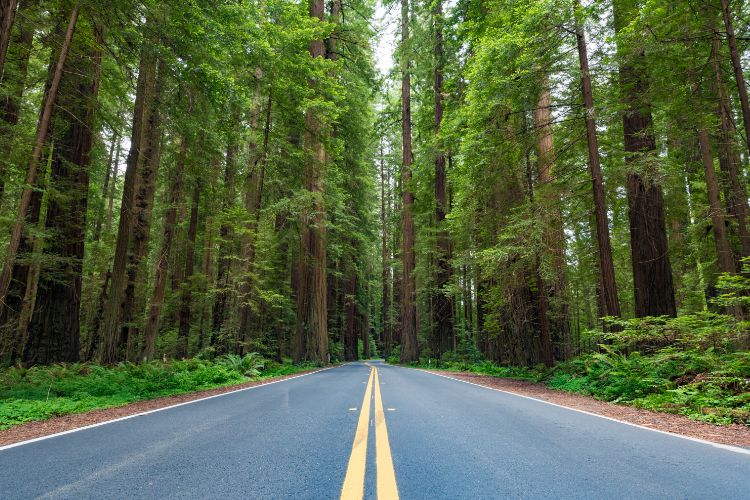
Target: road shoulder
x=733 y=435
x=67 y=423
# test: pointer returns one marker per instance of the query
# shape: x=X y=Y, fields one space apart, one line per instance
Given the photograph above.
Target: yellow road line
x=387 y=488
x=354 y=482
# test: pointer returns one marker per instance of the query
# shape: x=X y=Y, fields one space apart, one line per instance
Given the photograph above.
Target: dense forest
x=203 y=178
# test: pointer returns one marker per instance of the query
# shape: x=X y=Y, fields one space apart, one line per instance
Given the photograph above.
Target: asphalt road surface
x=367 y=429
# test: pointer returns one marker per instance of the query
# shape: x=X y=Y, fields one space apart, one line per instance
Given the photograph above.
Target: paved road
x=303 y=438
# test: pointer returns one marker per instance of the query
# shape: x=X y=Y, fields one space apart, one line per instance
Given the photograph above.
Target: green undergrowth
x=685 y=365
x=42 y=392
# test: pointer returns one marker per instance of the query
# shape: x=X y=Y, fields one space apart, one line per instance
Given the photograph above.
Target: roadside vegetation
x=42 y=392
x=686 y=365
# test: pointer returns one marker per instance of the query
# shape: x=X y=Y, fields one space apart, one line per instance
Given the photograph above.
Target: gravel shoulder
x=735 y=434
x=41 y=428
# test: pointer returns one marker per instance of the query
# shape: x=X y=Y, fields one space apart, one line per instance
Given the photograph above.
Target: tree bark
x=253 y=204
x=553 y=232
x=385 y=258
x=724 y=255
x=312 y=309
x=108 y=177
x=225 y=235
x=442 y=307
x=145 y=120
x=186 y=297
x=652 y=271
x=153 y=317
x=7 y=18
x=608 y=285
x=729 y=162
x=54 y=330
x=409 y=342
x=39 y=142
x=351 y=347
x=113 y=186
x=737 y=67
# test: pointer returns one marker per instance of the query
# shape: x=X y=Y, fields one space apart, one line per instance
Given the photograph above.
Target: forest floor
x=62 y=423
x=733 y=434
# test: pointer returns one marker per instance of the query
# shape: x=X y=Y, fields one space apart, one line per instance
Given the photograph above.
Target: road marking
x=352 y=409
x=98 y=424
x=390 y=409
x=386 y=482
x=354 y=481
x=735 y=449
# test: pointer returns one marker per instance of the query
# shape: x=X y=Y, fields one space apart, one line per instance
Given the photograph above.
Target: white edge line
x=126 y=417
x=735 y=449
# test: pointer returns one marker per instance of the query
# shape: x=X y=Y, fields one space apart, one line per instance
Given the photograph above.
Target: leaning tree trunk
x=409 y=342
x=54 y=330
x=652 y=271
x=607 y=284
x=36 y=154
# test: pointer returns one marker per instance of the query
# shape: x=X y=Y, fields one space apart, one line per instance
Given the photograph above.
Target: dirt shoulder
x=64 y=423
x=735 y=434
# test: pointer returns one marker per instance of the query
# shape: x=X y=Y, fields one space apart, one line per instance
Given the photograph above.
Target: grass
x=43 y=392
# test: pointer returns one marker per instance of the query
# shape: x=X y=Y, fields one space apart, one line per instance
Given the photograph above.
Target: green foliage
x=684 y=366
x=43 y=392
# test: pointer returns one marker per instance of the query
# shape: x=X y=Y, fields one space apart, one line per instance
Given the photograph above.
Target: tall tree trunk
x=312 y=310
x=366 y=324
x=224 y=259
x=39 y=142
x=739 y=77
x=145 y=125
x=724 y=255
x=385 y=258
x=153 y=317
x=409 y=341
x=442 y=308
x=183 y=334
x=729 y=162
x=113 y=186
x=54 y=330
x=7 y=17
x=351 y=348
x=108 y=176
x=135 y=298
x=607 y=284
x=13 y=79
x=253 y=205
x=553 y=233
x=652 y=271
x=542 y=297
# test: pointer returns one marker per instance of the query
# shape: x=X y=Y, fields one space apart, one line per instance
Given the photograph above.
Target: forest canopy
x=530 y=180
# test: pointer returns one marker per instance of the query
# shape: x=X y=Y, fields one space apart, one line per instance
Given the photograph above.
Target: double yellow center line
x=354 y=482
